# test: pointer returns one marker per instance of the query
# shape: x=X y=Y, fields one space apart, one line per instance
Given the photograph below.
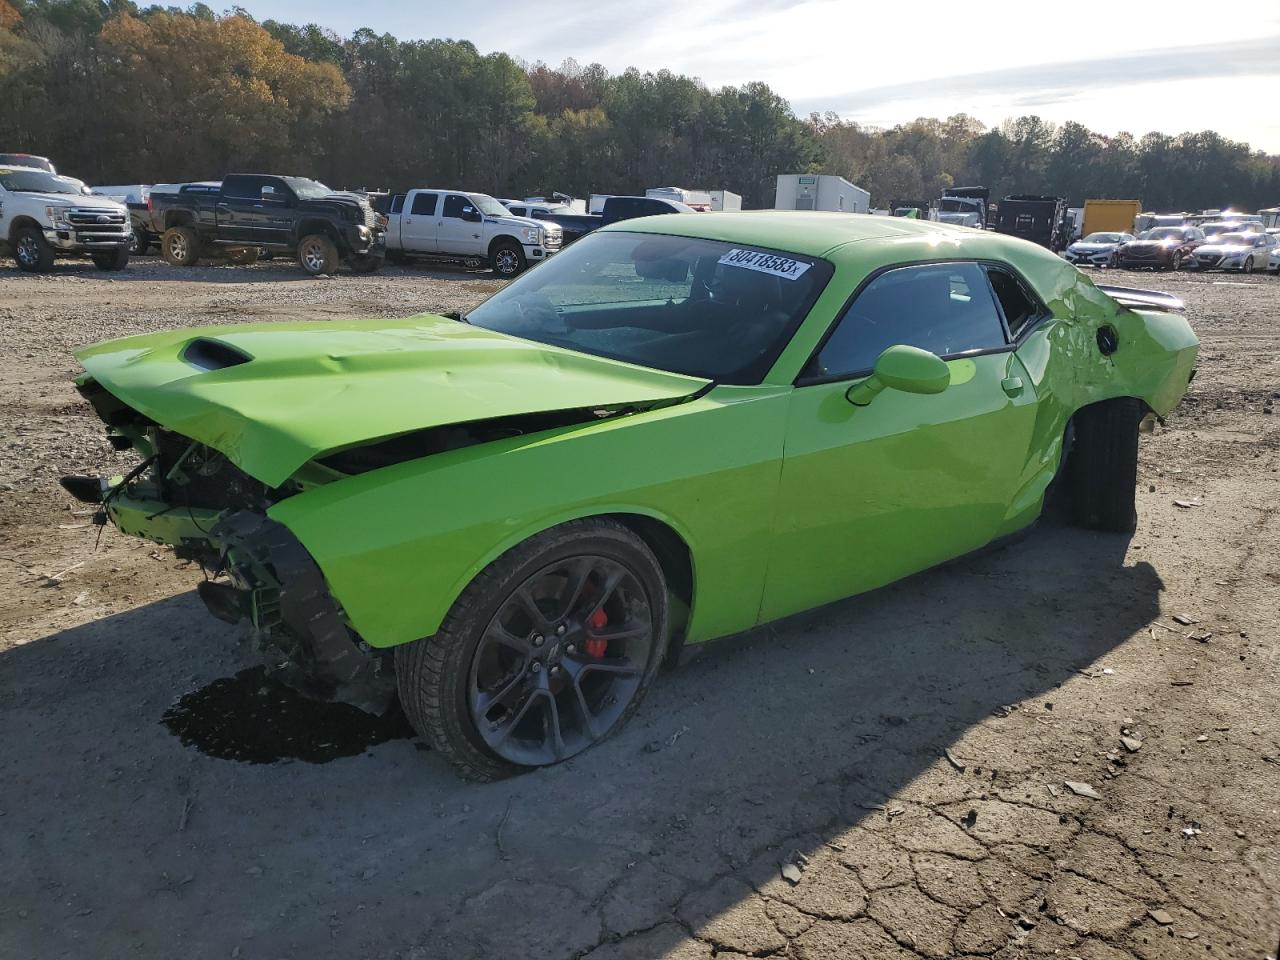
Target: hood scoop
x=210 y=354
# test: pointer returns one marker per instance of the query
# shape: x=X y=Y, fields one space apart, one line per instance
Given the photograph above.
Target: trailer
x=1109 y=216
x=813 y=191
x=725 y=200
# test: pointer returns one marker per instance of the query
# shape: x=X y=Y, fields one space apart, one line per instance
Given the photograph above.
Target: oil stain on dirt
x=254 y=719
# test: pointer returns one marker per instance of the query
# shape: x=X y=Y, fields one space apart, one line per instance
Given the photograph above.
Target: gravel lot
x=908 y=752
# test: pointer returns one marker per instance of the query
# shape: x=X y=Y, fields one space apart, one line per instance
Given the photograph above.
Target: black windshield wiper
x=457 y=315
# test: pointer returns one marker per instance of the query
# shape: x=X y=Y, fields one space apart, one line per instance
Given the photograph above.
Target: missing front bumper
x=296 y=624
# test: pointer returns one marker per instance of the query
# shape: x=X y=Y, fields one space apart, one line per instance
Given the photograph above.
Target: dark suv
x=249 y=212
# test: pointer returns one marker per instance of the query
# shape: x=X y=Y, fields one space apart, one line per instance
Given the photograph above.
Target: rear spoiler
x=1137 y=299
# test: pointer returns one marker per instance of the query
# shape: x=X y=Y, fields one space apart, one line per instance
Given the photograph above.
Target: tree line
x=118 y=93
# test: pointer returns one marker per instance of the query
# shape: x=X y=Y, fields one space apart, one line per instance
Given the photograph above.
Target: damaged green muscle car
x=679 y=428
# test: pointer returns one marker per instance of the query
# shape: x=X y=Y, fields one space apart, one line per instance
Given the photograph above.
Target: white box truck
x=815 y=191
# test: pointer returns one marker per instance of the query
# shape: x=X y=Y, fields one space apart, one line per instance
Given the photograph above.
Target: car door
x=418 y=222
x=870 y=494
x=456 y=234
x=238 y=209
x=274 y=213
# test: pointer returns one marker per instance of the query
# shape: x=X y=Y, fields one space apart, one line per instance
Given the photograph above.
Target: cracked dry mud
x=818 y=742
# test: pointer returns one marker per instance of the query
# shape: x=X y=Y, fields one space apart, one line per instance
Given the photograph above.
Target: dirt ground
x=905 y=756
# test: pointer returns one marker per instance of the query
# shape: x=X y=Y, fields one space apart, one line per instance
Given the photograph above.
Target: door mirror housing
x=904 y=368
x=471 y=215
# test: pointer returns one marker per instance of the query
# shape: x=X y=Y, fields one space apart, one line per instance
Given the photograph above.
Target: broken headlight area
x=296 y=626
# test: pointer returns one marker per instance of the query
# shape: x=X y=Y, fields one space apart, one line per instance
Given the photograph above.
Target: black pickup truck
x=252 y=212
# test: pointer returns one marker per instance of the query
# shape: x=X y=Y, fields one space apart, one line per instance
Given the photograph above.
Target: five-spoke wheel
x=548 y=651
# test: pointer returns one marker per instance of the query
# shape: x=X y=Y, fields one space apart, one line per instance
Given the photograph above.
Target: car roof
x=812 y=233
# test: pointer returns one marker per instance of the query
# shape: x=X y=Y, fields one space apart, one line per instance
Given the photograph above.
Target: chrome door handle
x=1012 y=386
x=407 y=220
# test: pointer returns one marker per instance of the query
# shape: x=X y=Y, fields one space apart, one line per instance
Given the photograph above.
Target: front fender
x=398 y=545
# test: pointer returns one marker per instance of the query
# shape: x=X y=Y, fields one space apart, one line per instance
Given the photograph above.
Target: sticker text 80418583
x=770 y=263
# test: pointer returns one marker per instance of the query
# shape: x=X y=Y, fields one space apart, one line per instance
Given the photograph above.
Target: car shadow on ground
x=118 y=835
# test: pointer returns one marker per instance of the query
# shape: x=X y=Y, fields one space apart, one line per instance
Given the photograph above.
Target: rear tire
x=116 y=259
x=1103 y=469
x=32 y=251
x=317 y=255
x=440 y=677
x=180 y=246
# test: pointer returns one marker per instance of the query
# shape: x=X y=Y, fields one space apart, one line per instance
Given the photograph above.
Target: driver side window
x=455 y=206
x=945 y=308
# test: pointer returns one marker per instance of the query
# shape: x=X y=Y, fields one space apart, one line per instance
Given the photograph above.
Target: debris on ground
x=1082 y=789
x=1132 y=744
x=1162 y=917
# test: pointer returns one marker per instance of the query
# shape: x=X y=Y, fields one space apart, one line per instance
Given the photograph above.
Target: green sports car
x=679 y=428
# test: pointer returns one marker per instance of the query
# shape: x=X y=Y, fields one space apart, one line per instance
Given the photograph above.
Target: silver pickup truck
x=473 y=229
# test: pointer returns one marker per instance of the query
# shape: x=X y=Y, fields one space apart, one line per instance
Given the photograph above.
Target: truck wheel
x=367 y=263
x=140 y=244
x=180 y=246
x=116 y=259
x=317 y=255
x=1104 y=465
x=32 y=251
x=548 y=651
x=507 y=259
x=243 y=256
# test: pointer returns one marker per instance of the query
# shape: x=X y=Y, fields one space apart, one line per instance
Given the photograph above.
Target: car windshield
x=1104 y=238
x=1163 y=233
x=1214 y=229
x=1230 y=238
x=306 y=189
x=37 y=181
x=489 y=206
x=705 y=308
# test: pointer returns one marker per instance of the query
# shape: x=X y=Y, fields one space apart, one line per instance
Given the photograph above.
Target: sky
x=1170 y=66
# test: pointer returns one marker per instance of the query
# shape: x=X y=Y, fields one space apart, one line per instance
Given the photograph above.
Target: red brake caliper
x=596 y=646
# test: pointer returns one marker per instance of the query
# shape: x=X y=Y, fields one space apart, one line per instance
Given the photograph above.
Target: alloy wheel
x=27 y=254
x=560 y=660
x=178 y=247
x=313 y=258
x=507 y=262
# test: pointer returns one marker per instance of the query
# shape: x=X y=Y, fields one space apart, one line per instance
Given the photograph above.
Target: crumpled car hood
x=273 y=396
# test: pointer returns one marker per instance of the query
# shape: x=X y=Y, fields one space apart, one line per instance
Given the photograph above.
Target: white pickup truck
x=43 y=216
x=469 y=228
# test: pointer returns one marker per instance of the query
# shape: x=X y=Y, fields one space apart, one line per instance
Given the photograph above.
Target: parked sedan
x=677 y=429
x=1245 y=252
x=1160 y=248
x=1273 y=261
x=1098 y=249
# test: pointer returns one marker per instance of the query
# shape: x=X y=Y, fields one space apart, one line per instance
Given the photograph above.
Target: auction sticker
x=769 y=263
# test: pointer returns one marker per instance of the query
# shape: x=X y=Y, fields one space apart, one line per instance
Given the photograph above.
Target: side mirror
x=471 y=215
x=904 y=368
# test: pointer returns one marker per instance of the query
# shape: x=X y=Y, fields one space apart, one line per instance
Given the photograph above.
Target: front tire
x=548 y=651
x=1103 y=470
x=32 y=251
x=1248 y=265
x=507 y=259
x=180 y=246
x=116 y=259
x=317 y=255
